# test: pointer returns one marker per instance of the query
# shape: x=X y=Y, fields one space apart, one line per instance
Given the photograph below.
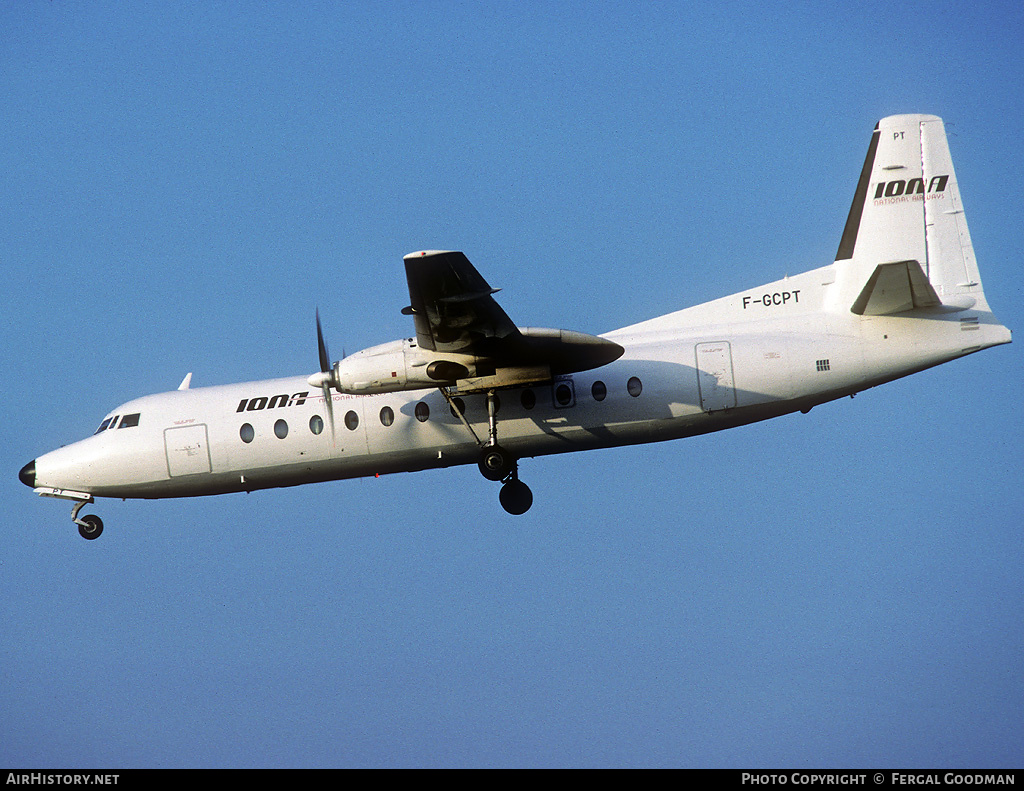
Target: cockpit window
x=110 y=422
x=128 y=421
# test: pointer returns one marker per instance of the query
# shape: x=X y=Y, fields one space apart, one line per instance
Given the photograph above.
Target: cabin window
x=351 y=420
x=129 y=421
x=422 y=412
x=387 y=416
x=528 y=399
x=458 y=407
x=316 y=424
x=634 y=386
x=563 y=394
x=281 y=429
x=598 y=390
x=247 y=433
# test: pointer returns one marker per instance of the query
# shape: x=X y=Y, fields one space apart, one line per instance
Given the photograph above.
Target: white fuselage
x=903 y=294
x=751 y=356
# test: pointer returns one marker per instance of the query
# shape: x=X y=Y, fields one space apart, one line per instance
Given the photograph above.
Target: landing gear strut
x=497 y=464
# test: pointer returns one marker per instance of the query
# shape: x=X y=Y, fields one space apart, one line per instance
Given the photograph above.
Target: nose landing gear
x=89 y=526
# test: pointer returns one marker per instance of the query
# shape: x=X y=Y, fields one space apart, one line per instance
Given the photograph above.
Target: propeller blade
x=325 y=358
x=326 y=377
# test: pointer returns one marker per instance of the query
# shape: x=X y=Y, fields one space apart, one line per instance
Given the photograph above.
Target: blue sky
x=184 y=184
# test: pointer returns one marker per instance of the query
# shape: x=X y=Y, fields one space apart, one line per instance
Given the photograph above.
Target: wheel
x=496 y=463
x=92 y=528
x=515 y=497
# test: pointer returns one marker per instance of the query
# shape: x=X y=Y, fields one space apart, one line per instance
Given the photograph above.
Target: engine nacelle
x=531 y=355
x=399 y=365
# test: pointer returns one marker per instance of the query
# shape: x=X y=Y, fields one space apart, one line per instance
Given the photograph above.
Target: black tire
x=496 y=463
x=92 y=528
x=515 y=497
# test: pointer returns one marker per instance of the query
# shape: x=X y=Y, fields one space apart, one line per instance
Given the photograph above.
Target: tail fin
x=906 y=227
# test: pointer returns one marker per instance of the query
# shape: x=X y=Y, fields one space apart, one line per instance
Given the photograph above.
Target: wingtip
x=426 y=253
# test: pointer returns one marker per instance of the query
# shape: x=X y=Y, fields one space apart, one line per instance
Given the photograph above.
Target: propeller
x=326 y=378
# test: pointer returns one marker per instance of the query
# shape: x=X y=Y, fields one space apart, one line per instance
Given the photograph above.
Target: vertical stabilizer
x=907 y=210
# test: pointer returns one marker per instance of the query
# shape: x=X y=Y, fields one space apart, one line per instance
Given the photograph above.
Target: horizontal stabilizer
x=894 y=288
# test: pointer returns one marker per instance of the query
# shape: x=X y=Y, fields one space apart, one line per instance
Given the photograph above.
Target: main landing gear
x=89 y=526
x=496 y=463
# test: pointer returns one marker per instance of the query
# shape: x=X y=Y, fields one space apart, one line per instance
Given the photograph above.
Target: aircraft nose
x=28 y=474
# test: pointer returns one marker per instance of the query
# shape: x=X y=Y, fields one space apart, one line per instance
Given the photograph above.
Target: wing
x=455 y=314
x=452 y=305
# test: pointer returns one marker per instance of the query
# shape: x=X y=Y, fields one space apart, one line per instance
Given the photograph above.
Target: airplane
x=903 y=294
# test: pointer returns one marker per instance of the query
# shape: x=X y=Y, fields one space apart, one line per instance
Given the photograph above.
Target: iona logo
x=272 y=402
x=894 y=189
